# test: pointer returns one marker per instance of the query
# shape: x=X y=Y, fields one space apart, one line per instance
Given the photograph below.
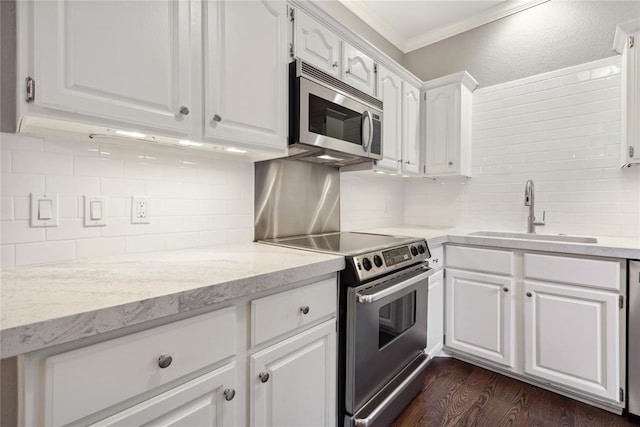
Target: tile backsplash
x=195 y=200
x=562 y=130
x=369 y=200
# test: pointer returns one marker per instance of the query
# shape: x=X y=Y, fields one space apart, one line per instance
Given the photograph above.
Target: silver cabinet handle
x=529 y=294
x=184 y=111
x=264 y=377
x=304 y=309
x=229 y=394
x=435 y=260
x=216 y=118
x=450 y=163
x=164 y=361
x=348 y=71
x=505 y=289
x=335 y=64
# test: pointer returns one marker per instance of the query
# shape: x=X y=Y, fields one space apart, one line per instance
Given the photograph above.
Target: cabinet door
x=479 y=312
x=410 y=129
x=571 y=337
x=117 y=61
x=300 y=387
x=200 y=402
x=315 y=44
x=435 y=313
x=245 y=63
x=358 y=69
x=390 y=92
x=442 y=129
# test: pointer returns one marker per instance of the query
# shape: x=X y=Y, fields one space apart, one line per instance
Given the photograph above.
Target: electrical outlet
x=140 y=212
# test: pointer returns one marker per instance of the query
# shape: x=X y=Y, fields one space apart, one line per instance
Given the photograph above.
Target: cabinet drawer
x=278 y=314
x=437 y=257
x=478 y=259
x=81 y=382
x=577 y=271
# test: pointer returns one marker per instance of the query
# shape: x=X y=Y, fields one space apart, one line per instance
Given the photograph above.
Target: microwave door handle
x=367 y=114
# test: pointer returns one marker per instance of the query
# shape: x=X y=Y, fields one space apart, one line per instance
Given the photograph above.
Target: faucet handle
x=544 y=214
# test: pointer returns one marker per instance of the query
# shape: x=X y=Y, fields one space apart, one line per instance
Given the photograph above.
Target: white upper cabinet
x=390 y=92
x=245 y=72
x=127 y=62
x=626 y=43
x=448 y=103
x=316 y=44
x=319 y=46
x=410 y=129
x=358 y=69
x=199 y=70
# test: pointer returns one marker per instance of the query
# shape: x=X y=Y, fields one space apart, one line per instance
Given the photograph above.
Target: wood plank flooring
x=456 y=393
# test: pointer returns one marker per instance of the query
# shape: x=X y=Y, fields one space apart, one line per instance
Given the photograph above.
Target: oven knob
x=414 y=251
x=366 y=264
x=421 y=249
x=377 y=260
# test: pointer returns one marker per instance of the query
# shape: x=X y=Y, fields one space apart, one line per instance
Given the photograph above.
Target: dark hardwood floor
x=456 y=393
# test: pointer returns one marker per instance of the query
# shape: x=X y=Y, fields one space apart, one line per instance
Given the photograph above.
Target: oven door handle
x=368 y=299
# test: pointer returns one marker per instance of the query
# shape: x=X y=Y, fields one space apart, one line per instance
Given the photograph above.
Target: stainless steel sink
x=527 y=236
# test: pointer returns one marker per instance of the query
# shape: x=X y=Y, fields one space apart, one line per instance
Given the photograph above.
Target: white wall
x=561 y=129
x=369 y=200
x=195 y=200
x=547 y=37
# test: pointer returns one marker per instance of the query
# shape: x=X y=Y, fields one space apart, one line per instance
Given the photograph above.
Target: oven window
x=335 y=121
x=395 y=318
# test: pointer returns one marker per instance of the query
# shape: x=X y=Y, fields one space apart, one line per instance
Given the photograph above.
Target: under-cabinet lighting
x=235 y=150
x=130 y=134
x=328 y=157
x=188 y=143
x=406 y=176
x=381 y=172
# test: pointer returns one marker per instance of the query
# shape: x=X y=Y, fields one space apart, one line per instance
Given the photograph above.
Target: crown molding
x=364 y=12
x=494 y=13
x=360 y=9
x=622 y=32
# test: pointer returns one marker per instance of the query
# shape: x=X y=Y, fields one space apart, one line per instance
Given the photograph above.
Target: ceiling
x=412 y=24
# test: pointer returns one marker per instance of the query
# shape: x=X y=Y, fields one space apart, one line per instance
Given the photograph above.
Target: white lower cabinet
x=571 y=337
x=554 y=320
x=480 y=315
x=435 y=314
x=207 y=401
x=293 y=382
x=195 y=371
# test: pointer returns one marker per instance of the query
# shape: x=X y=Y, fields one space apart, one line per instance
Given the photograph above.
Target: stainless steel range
x=382 y=321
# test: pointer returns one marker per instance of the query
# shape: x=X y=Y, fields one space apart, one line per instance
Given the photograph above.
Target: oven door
x=332 y=120
x=386 y=330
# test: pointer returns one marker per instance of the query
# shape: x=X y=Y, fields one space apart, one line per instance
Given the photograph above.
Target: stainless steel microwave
x=331 y=122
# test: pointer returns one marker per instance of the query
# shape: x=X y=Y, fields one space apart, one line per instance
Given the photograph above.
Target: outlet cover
x=140 y=212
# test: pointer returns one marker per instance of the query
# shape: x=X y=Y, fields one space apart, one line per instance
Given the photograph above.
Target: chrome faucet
x=529 y=201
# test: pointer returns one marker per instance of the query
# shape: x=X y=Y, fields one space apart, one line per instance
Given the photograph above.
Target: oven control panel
x=377 y=263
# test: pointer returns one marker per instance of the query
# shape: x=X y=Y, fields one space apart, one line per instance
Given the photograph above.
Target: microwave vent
x=323 y=77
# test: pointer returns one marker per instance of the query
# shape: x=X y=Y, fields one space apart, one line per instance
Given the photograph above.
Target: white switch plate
x=140 y=212
x=88 y=221
x=36 y=199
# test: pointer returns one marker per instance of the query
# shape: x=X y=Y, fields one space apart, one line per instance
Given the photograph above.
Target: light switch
x=95 y=211
x=44 y=210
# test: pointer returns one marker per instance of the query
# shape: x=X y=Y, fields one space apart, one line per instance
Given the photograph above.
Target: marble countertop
x=613 y=247
x=51 y=304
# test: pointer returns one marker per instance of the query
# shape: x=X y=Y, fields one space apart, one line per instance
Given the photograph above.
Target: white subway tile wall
x=369 y=200
x=562 y=130
x=195 y=200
